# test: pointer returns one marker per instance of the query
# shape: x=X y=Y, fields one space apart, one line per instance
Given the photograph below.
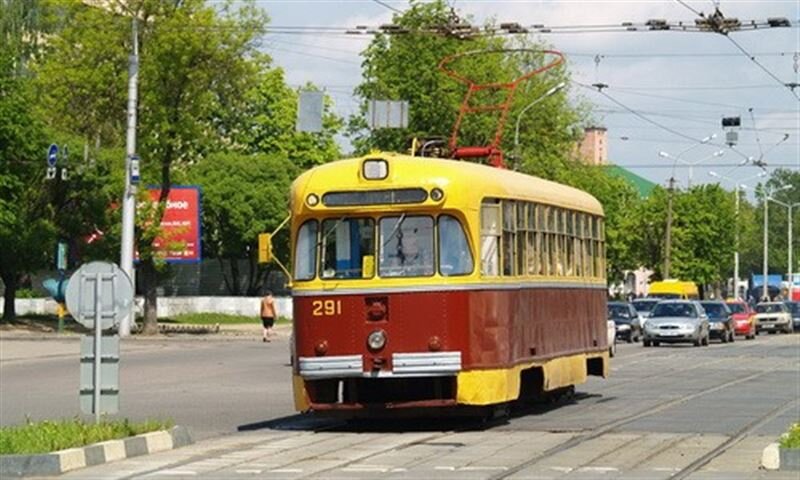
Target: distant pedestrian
x=267 y=315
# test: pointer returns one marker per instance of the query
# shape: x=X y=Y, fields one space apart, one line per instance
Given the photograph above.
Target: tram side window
x=509 y=231
x=490 y=239
x=522 y=228
x=305 y=260
x=532 y=250
x=348 y=248
x=406 y=246
x=455 y=257
x=579 y=271
x=569 y=243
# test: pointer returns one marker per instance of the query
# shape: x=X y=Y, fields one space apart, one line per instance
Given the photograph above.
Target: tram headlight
x=376 y=340
x=312 y=200
x=437 y=194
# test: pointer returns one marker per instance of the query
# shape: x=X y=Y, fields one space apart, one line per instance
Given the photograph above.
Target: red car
x=744 y=318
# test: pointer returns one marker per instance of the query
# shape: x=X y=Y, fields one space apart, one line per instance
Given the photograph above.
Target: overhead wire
x=762 y=67
x=384 y=4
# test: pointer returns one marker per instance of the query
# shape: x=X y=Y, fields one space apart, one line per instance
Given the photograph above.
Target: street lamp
x=767 y=195
x=739 y=185
x=790 y=207
x=691 y=165
x=546 y=94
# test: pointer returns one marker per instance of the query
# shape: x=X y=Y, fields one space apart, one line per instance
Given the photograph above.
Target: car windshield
x=644 y=306
x=618 y=311
x=794 y=307
x=737 y=308
x=714 y=310
x=674 y=310
x=769 y=308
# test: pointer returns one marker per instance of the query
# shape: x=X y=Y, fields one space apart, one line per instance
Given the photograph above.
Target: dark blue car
x=720 y=320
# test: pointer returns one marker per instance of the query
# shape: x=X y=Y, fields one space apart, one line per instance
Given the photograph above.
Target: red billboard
x=180 y=242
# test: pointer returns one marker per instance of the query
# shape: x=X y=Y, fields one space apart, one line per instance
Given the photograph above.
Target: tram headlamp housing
x=312 y=200
x=376 y=340
x=375 y=169
x=437 y=194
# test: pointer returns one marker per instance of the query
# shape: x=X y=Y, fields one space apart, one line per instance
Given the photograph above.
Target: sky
x=683 y=82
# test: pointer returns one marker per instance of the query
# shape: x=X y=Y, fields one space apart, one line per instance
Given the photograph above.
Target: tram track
x=610 y=426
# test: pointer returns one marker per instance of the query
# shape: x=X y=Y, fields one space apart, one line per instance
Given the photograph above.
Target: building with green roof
x=642 y=185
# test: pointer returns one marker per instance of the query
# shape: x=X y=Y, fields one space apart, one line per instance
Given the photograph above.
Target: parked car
x=773 y=317
x=626 y=320
x=794 y=309
x=744 y=318
x=720 y=320
x=676 y=321
x=643 y=307
x=611 y=331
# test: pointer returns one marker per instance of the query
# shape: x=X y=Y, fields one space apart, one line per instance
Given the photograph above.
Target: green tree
x=196 y=64
x=243 y=195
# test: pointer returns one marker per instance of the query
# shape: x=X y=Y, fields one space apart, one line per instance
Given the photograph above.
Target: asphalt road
x=213 y=385
x=666 y=412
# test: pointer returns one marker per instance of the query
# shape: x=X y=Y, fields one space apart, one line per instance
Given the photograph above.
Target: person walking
x=267 y=315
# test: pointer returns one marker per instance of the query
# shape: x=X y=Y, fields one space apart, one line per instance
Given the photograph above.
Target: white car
x=773 y=317
x=611 y=328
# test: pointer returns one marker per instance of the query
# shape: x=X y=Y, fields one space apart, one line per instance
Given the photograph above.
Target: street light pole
x=767 y=199
x=789 y=269
x=738 y=186
x=546 y=94
x=131 y=174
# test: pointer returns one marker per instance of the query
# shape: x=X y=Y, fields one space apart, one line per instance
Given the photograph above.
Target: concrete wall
x=171 y=306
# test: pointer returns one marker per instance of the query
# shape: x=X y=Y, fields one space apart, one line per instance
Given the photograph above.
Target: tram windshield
x=401 y=246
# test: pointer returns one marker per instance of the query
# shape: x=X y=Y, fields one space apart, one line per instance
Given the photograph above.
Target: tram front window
x=406 y=246
x=347 y=248
x=454 y=254
x=305 y=260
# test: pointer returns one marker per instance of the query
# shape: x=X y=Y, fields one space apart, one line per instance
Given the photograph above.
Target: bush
x=52 y=435
x=27 y=293
x=791 y=439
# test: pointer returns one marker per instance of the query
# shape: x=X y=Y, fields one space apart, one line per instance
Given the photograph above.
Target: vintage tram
x=427 y=282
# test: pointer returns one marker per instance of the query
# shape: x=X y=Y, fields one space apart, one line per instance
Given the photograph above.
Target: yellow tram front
x=402 y=293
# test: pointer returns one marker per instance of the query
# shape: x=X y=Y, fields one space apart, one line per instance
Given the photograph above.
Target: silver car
x=676 y=321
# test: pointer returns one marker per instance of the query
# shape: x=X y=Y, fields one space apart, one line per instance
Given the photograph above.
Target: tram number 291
x=326 y=308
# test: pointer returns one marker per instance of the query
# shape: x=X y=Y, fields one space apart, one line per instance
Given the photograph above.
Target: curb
x=63 y=461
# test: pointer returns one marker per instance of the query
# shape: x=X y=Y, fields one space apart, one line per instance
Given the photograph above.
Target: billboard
x=180 y=225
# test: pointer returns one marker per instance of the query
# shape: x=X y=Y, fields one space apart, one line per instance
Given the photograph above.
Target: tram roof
x=472 y=181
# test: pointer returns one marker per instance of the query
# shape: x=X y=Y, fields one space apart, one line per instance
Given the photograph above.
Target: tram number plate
x=326 y=308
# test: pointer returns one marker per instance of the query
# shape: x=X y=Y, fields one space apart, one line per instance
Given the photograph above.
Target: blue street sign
x=52 y=155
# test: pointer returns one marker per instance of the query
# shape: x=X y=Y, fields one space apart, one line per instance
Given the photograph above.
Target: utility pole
x=131 y=179
x=736 y=248
x=765 y=294
x=668 y=246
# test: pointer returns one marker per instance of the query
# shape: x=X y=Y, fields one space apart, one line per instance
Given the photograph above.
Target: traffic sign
x=52 y=155
x=99 y=290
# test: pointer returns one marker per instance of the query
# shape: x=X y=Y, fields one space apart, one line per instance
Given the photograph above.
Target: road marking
x=449 y=469
x=598 y=469
x=253 y=471
x=287 y=470
x=562 y=469
x=477 y=468
x=365 y=469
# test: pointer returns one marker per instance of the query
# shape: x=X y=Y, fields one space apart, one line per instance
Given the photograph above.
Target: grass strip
x=214 y=318
x=791 y=439
x=52 y=435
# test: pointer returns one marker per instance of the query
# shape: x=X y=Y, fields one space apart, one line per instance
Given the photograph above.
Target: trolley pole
x=131 y=176
x=668 y=243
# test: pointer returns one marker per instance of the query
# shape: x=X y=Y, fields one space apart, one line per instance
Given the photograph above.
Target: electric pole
x=131 y=179
x=668 y=246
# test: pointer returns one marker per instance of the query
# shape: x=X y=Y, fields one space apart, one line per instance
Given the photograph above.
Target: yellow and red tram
x=426 y=282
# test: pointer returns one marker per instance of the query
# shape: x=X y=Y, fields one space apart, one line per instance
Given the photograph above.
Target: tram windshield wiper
x=394 y=230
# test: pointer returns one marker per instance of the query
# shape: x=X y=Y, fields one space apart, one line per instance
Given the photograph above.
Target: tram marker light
x=264 y=248
x=375 y=169
x=437 y=194
x=312 y=200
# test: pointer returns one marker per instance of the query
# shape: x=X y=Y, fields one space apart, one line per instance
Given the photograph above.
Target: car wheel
x=733 y=336
x=705 y=341
x=646 y=343
x=724 y=338
x=698 y=342
x=629 y=338
x=655 y=344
